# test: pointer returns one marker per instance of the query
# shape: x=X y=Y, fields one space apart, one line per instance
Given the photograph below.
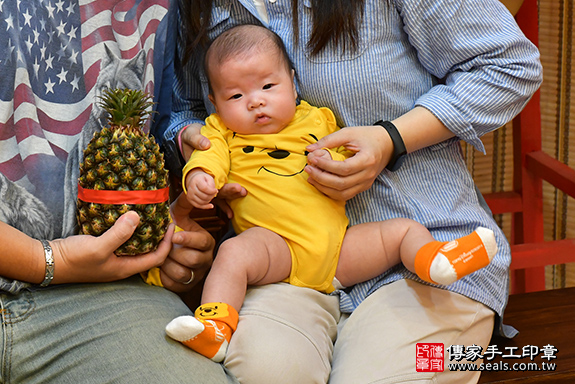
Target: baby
x=286 y=229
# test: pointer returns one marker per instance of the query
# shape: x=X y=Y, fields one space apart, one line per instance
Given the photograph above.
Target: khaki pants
x=286 y=335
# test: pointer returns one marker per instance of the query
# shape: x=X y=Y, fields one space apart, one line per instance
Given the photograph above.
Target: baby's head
x=251 y=80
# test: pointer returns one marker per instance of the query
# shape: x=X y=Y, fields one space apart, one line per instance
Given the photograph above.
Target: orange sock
x=445 y=262
x=209 y=332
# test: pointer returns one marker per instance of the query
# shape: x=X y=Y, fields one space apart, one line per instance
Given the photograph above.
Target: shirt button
x=318 y=122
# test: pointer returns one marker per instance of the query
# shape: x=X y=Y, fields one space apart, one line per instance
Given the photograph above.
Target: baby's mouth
x=262 y=118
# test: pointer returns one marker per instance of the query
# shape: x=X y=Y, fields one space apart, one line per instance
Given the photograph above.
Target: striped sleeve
x=488 y=70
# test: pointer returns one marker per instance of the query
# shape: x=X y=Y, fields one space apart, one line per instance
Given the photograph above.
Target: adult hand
x=342 y=180
x=84 y=258
x=192 y=250
x=191 y=139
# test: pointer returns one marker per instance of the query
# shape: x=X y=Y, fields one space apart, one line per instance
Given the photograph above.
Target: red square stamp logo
x=429 y=357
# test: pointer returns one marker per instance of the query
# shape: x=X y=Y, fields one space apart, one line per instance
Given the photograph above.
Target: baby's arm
x=201 y=188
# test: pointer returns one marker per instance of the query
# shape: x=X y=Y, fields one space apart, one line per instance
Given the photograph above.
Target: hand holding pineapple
x=123 y=170
x=84 y=259
x=123 y=158
x=91 y=259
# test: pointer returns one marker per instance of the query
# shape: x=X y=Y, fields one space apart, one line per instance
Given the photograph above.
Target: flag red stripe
x=12 y=168
x=69 y=128
x=7 y=130
x=95 y=7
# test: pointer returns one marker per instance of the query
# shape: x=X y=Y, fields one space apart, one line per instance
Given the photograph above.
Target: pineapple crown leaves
x=126 y=108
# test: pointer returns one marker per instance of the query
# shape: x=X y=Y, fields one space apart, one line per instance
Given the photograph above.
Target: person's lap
x=286 y=335
x=99 y=333
x=376 y=344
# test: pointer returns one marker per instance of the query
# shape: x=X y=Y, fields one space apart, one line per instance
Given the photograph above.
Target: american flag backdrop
x=50 y=54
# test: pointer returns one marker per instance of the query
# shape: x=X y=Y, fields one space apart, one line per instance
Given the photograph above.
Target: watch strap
x=399 y=150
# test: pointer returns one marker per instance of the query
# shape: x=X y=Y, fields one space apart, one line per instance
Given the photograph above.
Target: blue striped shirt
x=465 y=61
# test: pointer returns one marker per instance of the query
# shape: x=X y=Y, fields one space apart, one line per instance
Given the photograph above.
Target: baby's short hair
x=242 y=40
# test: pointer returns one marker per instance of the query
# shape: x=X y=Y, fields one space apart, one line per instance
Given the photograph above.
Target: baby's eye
x=236 y=96
x=268 y=86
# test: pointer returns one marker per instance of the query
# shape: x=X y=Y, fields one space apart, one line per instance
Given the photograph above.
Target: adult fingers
x=121 y=231
x=336 y=187
x=191 y=139
x=333 y=140
x=140 y=263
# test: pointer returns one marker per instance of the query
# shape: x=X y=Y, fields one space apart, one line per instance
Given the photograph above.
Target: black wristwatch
x=399 y=150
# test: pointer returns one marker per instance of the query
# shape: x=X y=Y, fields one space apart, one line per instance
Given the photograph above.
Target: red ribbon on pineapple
x=124 y=197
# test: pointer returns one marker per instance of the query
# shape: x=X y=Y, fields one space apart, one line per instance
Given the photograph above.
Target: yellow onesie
x=270 y=167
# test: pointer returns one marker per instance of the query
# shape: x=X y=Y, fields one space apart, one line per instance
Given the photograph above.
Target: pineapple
x=122 y=157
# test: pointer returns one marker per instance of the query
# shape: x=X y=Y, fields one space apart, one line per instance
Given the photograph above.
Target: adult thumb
x=333 y=140
x=121 y=231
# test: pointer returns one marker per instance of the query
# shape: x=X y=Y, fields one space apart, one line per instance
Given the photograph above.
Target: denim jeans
x=97 y=333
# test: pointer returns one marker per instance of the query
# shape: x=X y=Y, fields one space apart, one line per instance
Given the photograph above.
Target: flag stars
x=62 y=51
x=60 y=6
x=70 y=8
x=49 y=62
x=36 y=36
x=60 y=28
x=42 y=24
x=19 y=57
x=36 y=67
x=50 y=35
x=75 y=82
x=9 y=22
x=50 y=8
x=72 y=33
x=27 y=18
x=43 y=51
x=74 y=57
x=29 y=44
x=44 y=38
x=10 y=50
x=62 y=76
x=49 y=86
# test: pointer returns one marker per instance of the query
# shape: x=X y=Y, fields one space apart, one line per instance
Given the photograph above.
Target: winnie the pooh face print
x=212 y=310
x=287 y=159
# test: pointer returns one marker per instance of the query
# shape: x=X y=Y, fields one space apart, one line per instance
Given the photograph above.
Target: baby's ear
x=211 y=97
x=293 y=84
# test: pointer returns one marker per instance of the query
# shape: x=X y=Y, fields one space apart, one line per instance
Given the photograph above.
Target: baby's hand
x=201 y=189
x=318 y=153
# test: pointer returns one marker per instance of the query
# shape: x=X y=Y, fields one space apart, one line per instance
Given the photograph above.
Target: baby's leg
x=372 y=248
x=257 y=256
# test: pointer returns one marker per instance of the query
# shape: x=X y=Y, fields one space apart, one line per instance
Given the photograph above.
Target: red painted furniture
x=531 y=166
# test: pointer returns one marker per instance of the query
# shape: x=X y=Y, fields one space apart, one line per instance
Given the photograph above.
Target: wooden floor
x=542 y=318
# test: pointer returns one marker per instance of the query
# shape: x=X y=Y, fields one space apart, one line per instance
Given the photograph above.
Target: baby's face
x=254 y=94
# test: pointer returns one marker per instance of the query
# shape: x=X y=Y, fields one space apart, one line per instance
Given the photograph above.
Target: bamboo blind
x=493 y=173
